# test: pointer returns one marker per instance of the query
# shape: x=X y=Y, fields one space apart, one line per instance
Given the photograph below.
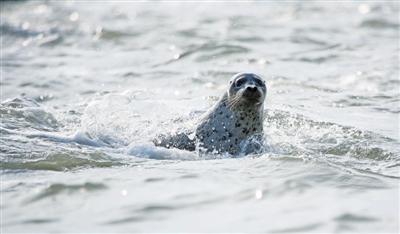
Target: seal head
x=246 y=89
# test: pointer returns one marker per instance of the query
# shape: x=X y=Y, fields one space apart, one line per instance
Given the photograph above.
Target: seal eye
x=239 y=82
x=259 y=82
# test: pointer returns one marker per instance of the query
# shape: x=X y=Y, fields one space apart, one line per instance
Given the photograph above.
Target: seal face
x=237 y=116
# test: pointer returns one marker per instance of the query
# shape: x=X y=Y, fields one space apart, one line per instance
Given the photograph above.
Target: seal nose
x=251 y=89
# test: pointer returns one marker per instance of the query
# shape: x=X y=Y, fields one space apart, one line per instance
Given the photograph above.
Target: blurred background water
x=86 y=85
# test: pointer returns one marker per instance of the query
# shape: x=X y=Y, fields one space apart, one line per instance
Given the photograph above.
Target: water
x=87 y=85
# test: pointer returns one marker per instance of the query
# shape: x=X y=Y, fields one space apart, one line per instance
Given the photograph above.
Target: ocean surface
x=87 y=85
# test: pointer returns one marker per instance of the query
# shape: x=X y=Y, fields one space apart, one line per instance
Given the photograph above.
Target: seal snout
x=252 y=92
x=251 y=89
x=247 y=88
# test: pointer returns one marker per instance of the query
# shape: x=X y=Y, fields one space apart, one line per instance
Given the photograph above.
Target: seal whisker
x=232 y=103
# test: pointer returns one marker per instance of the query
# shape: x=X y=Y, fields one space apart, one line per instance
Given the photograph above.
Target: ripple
x=129 y=219
x=154 y=179
x=347 y=217
x=307 y=40
x=379 y=24
x=23 y=113
x=114 y=35
x=313 y=59
x=368 y=152
x=39 y=221
x=57 y=189
x=213 y=51
x=157 y=208
x=300 y=229
x=206 y=52
x=8 y=29
x=60 y=162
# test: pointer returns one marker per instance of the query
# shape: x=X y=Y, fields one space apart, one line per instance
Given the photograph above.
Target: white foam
x=149 y=150
x=79 y=137
x=121 y=118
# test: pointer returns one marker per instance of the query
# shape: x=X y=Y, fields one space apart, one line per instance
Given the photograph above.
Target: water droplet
x=364 y=9
x=74 y=16
x=124 y=192
x=177 y=56
x=259 y=194
x=262 y=61
x=41 y=9
x=26 y=42
x=209 y=85
x=99 y=29
x=40 y=36
x=98 y=32
x=25 y=25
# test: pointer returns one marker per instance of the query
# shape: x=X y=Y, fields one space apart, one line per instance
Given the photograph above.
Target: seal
x=236 y=118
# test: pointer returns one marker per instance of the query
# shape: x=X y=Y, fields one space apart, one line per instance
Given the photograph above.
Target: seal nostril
x=251 y=89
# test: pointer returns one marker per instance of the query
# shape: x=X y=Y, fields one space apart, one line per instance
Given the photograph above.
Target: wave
x=61 y=161
x=131 y=129
x=59 y=189
x=25 y=113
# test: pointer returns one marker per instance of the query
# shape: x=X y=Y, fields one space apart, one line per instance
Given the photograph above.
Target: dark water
x=85 y=86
